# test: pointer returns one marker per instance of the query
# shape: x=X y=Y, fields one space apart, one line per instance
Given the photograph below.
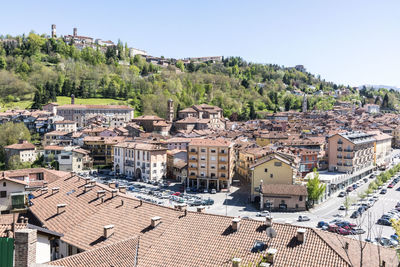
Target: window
x=213 y=151
x=212 y=166
x=300 y=198
x=64 y=157
x=271 y=175
x=4 y=184
x=203 y=150
x=265 y=170
x=223 y=151
x=203 y=158
x=154 y=164
x=3 y=194
x=212 y=158
x=202 y=166
x=277 y=164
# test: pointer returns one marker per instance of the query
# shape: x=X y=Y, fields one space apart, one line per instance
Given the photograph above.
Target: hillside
x=39 y=69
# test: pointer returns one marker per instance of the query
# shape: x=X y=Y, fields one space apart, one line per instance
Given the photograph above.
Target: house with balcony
x=350 y=152
x=210 y=163
x=13 y=197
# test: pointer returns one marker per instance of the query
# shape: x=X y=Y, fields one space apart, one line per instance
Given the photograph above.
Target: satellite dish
x=271 y=233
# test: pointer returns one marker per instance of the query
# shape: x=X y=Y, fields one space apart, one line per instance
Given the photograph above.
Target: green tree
x=14 y=163
x=3 y=63
x=315 y=188
x=179 y=64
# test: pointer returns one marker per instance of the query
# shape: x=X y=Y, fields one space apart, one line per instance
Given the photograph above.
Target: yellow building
x=396 y=137
x=247 y=157
x=273 y=169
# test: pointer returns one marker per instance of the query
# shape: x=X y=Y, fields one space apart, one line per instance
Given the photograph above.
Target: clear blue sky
x=346 y=41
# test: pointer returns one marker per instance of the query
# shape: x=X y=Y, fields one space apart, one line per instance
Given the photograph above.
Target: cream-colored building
x=351 y=151
x=247 y=157
x=65 y=126
x=396 y=137
x=12 y=194
x=81 y=114
x=383 y=148
x=140 y=160
x=24 y=150
x=210 y=163
x=273 y=169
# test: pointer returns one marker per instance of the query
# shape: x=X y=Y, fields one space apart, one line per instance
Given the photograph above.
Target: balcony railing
x=339 y=156
x=348 y=157
x=348 y=150
x=340 y=149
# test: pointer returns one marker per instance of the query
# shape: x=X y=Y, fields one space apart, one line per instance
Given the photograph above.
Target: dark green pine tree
x=252 y=114
x=37 y=100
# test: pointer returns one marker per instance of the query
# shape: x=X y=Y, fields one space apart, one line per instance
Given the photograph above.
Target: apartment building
x=210 y=163
x=383 y=148
x=12 y=195
x=81 y=114
x=25 y=151
x=101 y=148
x=143 y=161
x=351 y=151
x=65 y=126
x=56 y=138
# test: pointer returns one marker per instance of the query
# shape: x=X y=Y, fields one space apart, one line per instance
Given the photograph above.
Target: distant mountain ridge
x=381 y=86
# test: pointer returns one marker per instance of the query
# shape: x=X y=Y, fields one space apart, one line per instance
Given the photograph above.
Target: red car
x=343 y=231
x=390 y=186
x=176 y=194
x=349 y=189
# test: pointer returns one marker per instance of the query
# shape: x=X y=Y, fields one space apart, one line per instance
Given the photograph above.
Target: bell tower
x=53 y=31
x=170 y=110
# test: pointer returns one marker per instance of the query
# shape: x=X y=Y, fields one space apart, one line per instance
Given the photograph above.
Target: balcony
x=340 y=149
x=348 y=150
x=348 y=157
x=339 y=156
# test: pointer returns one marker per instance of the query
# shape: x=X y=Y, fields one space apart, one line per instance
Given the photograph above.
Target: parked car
x=390 y=186
x=303 y=218
x=383 y=191
x=357 y=231
x=384 y=222
x=342 y=207
x=213 y=191
x=205 y=191
x=263 y=213
x=355 y=214
x=333 y=228
x=349 y=189
x=342 y=194
x=387 y=242
x=321 y=224
x=343 y=231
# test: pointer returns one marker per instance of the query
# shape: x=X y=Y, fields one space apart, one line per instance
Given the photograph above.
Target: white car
x=303 y=218
x=342 y=207
x=213 y=191
x=263 y=214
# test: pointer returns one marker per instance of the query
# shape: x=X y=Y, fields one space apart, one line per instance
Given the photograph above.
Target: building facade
x=25 y=151
x=351 y=151
x=142 y=161
x=210 y=163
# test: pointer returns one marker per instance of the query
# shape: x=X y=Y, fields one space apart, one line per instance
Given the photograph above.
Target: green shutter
x=6 y=251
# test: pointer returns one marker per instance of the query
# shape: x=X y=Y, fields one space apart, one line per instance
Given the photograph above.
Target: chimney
x=114 y=192
x=122 y=189
x=268 y=221
x=346 y=245
x=55 y=190
x=92 y=182
x=87 y=180
x=101 y=193
x=72 y=99
x=155 y=221
x=25 y=247
x=181 y=207
x=236 y=224
x=236 y=262
x=75 y=32
x=301 y=235
x=112 y=184
x=43 y=190
x=201 y=209
x=61 y=208
x=270 y=255
x=88 y=187
x=108 y=231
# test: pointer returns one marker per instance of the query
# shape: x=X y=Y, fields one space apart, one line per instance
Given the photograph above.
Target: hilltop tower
x=304 y=108
x=75 y=33
x=170 y=110
x=53 y=31
x=72 y=99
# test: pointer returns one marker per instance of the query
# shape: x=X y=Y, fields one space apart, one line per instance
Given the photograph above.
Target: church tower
x=53 y=31
x=304 y=109
x=170 y=110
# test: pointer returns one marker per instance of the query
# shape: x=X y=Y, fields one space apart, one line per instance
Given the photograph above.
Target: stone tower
x=72 y=99
x=53 y=31
x=75 y=33
x=170 y=110
x=304 y=109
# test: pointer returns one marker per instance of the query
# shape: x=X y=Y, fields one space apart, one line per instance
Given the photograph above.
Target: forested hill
x=37 y=68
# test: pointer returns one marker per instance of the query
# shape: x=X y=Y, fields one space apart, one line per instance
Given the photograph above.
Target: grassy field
x=63 y=100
